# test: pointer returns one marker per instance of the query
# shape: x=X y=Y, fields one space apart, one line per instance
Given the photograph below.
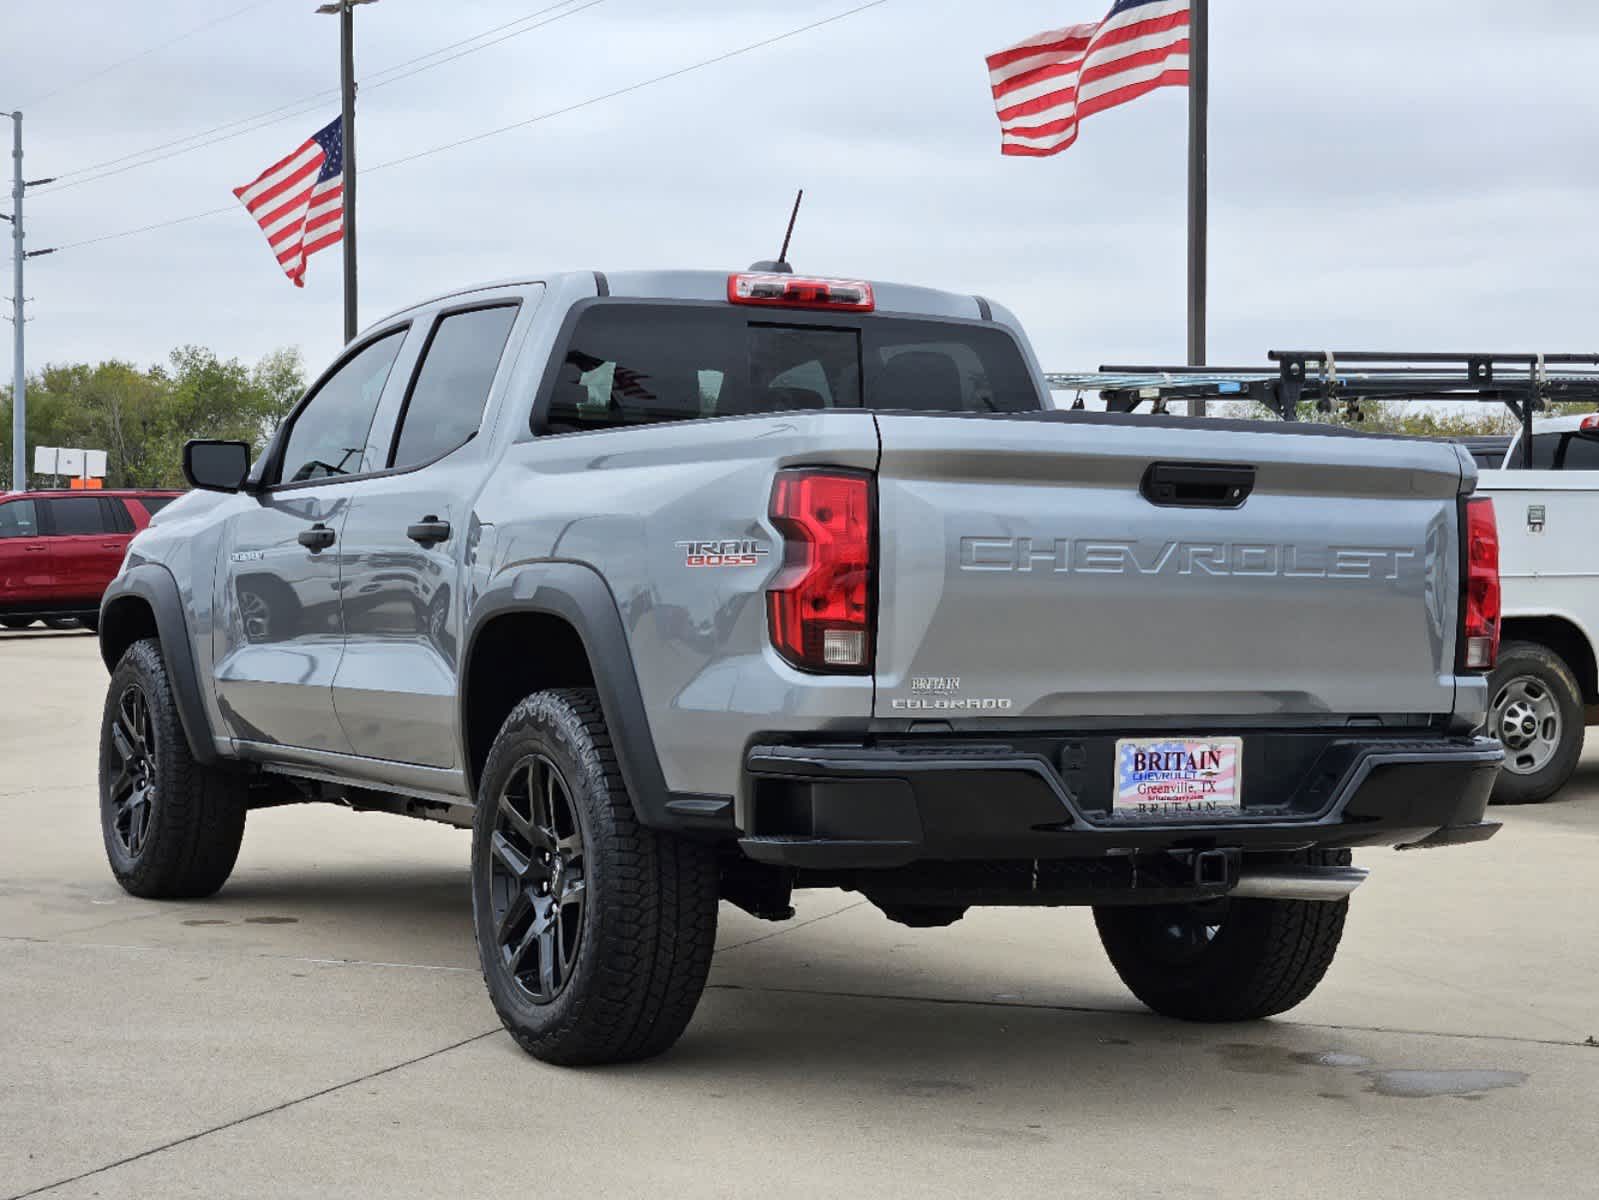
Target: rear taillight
x=1480 y=620
x=1590 y=423
x=820 y=603
x=799 y=291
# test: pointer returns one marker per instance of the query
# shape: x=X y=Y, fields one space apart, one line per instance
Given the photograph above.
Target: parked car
x=58 y=550
x=1545 y=690
x=681 y=586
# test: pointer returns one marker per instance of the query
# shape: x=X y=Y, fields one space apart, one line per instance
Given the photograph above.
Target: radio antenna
x=782 y=255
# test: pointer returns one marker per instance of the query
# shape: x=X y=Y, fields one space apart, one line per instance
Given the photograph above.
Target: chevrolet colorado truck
x=681 y=587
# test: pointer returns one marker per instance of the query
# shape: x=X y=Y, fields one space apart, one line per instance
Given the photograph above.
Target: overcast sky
x=1382 y=175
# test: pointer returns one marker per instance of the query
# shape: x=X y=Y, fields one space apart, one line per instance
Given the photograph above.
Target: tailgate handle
x=1197 y=485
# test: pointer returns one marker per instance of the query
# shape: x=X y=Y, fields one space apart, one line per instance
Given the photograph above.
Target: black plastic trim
x=154 y=584
x=577 y=594
x=878 y=805
x=602 y=285
x=985 y=310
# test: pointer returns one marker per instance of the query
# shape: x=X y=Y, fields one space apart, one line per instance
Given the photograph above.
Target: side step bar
x=1298 y=883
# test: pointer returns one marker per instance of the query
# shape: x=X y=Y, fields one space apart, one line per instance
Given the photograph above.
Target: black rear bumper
x=833 y=806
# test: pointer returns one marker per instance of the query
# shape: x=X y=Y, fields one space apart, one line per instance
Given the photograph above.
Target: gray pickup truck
x=684 y=587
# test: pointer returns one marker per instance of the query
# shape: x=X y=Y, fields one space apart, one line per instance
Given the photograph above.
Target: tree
x=141 y=418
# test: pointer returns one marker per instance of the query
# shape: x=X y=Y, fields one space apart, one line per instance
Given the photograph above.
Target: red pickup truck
x=59 y=550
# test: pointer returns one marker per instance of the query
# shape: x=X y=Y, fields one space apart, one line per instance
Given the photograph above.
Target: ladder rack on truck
x=1523 y=383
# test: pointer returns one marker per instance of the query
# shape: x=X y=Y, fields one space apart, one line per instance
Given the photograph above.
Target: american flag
x=1045 y=86
x=299 y=200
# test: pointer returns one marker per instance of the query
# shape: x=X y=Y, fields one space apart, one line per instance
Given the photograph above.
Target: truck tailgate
x=1024 y=572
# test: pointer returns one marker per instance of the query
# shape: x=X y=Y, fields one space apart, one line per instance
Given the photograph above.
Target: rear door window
x=19 y=518
x=154 y=504
x=452 y=384
x=637 y=364
x=78 y=516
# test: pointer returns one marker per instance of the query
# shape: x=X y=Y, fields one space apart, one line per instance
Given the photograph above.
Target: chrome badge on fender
x=728 y=552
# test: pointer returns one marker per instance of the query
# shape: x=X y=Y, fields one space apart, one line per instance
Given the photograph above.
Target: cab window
x=18 y=518
x=329 y=434
x=452 y=384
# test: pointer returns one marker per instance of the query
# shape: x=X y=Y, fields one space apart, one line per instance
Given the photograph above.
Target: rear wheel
x=1224 y=960
x=1535 y=710
x=61 y=622
x=594 y=933
x=172 y=826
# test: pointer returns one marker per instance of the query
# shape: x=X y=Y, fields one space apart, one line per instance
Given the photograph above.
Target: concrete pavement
x=319 y=1028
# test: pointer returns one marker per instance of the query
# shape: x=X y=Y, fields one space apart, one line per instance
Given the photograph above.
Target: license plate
x=1176 y=778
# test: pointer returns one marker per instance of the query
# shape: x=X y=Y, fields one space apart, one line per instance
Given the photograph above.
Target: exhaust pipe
x=1298 y=883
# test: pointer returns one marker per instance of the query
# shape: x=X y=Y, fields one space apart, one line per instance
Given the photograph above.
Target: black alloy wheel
x=132 y=791
x=537 y=885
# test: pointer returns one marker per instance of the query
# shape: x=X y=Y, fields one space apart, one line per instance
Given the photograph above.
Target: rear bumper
x=835 y=806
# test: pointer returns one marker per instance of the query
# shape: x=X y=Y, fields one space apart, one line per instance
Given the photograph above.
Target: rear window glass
x=637 y=364
x=78 y=516
x=1570 y=451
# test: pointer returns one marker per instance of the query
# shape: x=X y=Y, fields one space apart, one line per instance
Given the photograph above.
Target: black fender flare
x=576 y=593
x=154 y=585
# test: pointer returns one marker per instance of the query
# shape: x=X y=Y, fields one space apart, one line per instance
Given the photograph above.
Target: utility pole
x=19 y=384
x=1198 y=169
x=345 y=9
x=19 y=381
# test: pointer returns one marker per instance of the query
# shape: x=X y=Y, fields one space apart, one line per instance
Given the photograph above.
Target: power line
x=632 y=87
x=545 y=116
x=308 y=103
x=122 y=62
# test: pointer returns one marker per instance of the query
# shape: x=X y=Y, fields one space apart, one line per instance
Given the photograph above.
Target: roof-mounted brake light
x=799 y=291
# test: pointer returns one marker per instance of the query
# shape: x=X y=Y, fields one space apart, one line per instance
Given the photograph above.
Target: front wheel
x=1224 y=960
x=1535 y=710
x=172 y=826
x=594 y=933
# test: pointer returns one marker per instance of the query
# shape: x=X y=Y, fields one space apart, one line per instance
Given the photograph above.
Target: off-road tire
x=649 y=911
x=1266 y=956
x=196 y=814
x=1530 y=659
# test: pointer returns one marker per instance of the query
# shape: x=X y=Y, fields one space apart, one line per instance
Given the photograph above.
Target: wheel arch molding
x=142 y=602
x=570 y=609
x=1563 y=636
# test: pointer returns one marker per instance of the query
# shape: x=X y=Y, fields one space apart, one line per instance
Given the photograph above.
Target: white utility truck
x=1545 y=689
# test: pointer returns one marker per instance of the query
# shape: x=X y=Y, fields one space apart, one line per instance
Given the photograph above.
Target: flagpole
x=1198 y=118
x=347 y=86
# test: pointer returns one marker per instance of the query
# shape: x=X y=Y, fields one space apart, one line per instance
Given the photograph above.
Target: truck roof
x=712 y=285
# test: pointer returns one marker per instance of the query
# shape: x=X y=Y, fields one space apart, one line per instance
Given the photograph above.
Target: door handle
x=317 y=538
x=1197 y=485
x=429 y=530
x=35 y=549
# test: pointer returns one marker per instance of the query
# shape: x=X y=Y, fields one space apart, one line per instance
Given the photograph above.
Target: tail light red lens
x=1480 y=620
x=820 y=603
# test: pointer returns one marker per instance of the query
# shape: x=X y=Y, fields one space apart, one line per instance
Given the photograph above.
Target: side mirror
x=215 y=466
